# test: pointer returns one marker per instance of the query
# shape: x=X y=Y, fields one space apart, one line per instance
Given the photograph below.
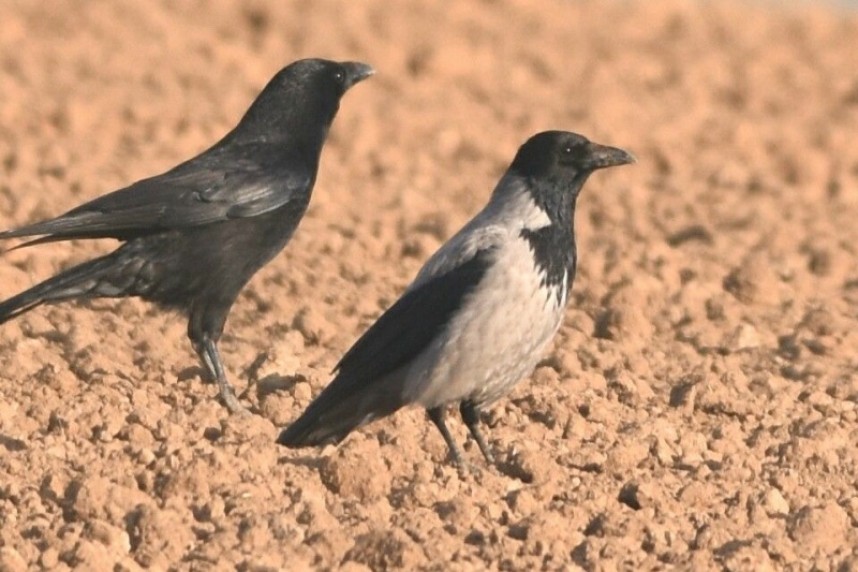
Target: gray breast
x=497 y=337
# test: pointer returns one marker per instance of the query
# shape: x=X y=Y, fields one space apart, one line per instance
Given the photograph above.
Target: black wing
x=219 y=185
x=410 y=325
x=397 y=337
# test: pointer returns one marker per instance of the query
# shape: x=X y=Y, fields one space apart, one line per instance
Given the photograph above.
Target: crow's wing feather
x=413 y=322
x=204 y=190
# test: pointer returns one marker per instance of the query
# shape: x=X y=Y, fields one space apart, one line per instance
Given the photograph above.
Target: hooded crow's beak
x=601 y=156
x=356 y=72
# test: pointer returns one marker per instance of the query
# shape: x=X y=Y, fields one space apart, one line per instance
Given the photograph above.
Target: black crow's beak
x=601 y=156
x=356 y=72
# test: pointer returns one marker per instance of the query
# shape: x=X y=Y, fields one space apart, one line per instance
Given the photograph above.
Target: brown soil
x=698 y=409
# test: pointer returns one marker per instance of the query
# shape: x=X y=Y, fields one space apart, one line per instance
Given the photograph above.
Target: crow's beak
x=356 y=72
x=601 y=156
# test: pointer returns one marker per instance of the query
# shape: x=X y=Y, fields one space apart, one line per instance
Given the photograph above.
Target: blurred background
x=698 y=410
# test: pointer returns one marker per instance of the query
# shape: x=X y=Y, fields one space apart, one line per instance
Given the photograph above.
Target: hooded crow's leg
x=436 y=414
x=471 y=416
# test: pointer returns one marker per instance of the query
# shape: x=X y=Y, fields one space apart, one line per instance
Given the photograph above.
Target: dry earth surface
x=699 y=409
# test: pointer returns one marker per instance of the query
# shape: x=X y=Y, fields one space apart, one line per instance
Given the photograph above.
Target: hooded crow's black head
x=305 y=96
x=562 y=156
x=556 y=164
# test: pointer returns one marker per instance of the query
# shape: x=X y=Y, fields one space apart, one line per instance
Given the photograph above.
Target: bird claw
x=230 y=400
x=468 y=470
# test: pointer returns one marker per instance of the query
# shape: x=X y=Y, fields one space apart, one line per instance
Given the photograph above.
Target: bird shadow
x=11 y=444
x=311 y=462
x=192 y=372
x=274 y=383
x=509 y=465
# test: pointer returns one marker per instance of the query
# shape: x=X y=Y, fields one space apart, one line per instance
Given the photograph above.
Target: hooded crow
x=480 y=313
x=193 y=236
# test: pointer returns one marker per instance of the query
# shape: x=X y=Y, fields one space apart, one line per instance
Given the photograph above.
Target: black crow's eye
x=568 y=150
x=340 y=76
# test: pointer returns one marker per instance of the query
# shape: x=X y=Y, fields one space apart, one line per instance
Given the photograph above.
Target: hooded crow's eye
x=569 y=153
x=572 y=151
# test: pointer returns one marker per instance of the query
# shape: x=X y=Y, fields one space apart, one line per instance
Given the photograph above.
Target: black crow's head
x=305 y=95
x=317 y=77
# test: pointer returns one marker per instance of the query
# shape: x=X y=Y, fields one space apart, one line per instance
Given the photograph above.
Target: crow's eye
x=568 y=150
x=340 y=76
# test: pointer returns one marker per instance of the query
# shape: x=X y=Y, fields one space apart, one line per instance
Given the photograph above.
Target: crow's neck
x=304 y=128
x=553 y=245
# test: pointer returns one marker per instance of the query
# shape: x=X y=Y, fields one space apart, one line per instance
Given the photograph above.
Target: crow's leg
x=205 y=326
x=207 y=350
x=436 y=414
x=471 y=416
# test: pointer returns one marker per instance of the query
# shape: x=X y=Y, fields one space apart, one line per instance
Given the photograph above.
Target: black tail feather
x=80 y=281
x=332 y=416
x=36 y=241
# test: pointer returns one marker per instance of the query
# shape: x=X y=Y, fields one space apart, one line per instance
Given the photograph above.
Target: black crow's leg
x=471 y=416
x=436 y=414
x=207 y=350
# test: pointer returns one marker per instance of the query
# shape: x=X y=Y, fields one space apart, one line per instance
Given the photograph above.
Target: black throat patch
x=553 y=246
x=553 y=255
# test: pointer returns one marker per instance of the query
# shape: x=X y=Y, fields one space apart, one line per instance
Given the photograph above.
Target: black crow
x=193 y=236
